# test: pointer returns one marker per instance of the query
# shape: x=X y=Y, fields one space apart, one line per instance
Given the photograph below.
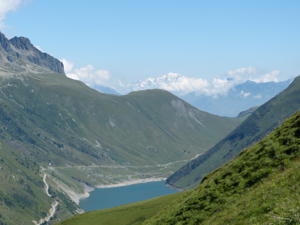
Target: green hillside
x=261 y=186
x=256 y=126
x=78 y=137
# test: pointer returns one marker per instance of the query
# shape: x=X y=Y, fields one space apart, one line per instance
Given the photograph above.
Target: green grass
x=259 y=187
x=132 y=214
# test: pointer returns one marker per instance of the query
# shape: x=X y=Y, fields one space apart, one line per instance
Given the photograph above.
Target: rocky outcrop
x=19 y=53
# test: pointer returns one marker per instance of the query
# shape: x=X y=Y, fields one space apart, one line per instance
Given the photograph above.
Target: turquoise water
x=103 y=198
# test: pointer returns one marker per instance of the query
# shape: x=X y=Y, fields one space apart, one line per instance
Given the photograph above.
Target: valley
x=149 y=113
x=260 y=186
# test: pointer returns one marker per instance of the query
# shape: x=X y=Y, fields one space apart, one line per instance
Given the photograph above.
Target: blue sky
x=136 y=39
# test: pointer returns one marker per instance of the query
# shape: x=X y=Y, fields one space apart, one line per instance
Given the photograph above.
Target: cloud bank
x=7 y=6
x=183 y=85
x=87 y=74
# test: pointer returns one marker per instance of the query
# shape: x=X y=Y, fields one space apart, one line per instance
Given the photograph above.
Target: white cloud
x=87 y=74
x=245 y=94
x=182 y=85
x=242 y=72
x=173 y=82
x=68 y=66
x=7 y=6
x=252 y=74
x=269 y=77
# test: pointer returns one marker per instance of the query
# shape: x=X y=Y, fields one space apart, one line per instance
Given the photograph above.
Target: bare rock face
x=18 y=53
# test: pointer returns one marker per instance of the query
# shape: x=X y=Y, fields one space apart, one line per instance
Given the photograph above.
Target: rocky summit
x=20 y=55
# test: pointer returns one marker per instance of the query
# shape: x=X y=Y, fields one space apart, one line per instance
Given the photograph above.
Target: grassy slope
x=48 y=118
x=131 y=214
x=259 y=187
x=256 y=126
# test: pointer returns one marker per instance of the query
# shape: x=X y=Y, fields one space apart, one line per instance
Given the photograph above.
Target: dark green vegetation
x=53 y=125
x=131 y=214
x=256 y=126
x=261 y=186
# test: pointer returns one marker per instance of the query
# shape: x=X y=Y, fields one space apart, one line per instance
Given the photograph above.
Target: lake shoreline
x=130 y=182
x=127 y=192
x=77 y=197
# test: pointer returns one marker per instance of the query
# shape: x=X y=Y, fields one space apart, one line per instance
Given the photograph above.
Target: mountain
x=256 y=126
x=19 y=55
x=58 y=133
x=260 y=186
x=240 y=97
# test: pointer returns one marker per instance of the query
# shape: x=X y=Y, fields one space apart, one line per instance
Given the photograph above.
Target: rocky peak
x=20 y=54
x=21 y=43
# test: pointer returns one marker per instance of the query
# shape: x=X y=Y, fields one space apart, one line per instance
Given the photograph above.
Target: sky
x=121 y=42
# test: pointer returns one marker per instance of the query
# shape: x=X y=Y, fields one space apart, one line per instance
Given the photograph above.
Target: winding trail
x=46 y=185
x=53 y=208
